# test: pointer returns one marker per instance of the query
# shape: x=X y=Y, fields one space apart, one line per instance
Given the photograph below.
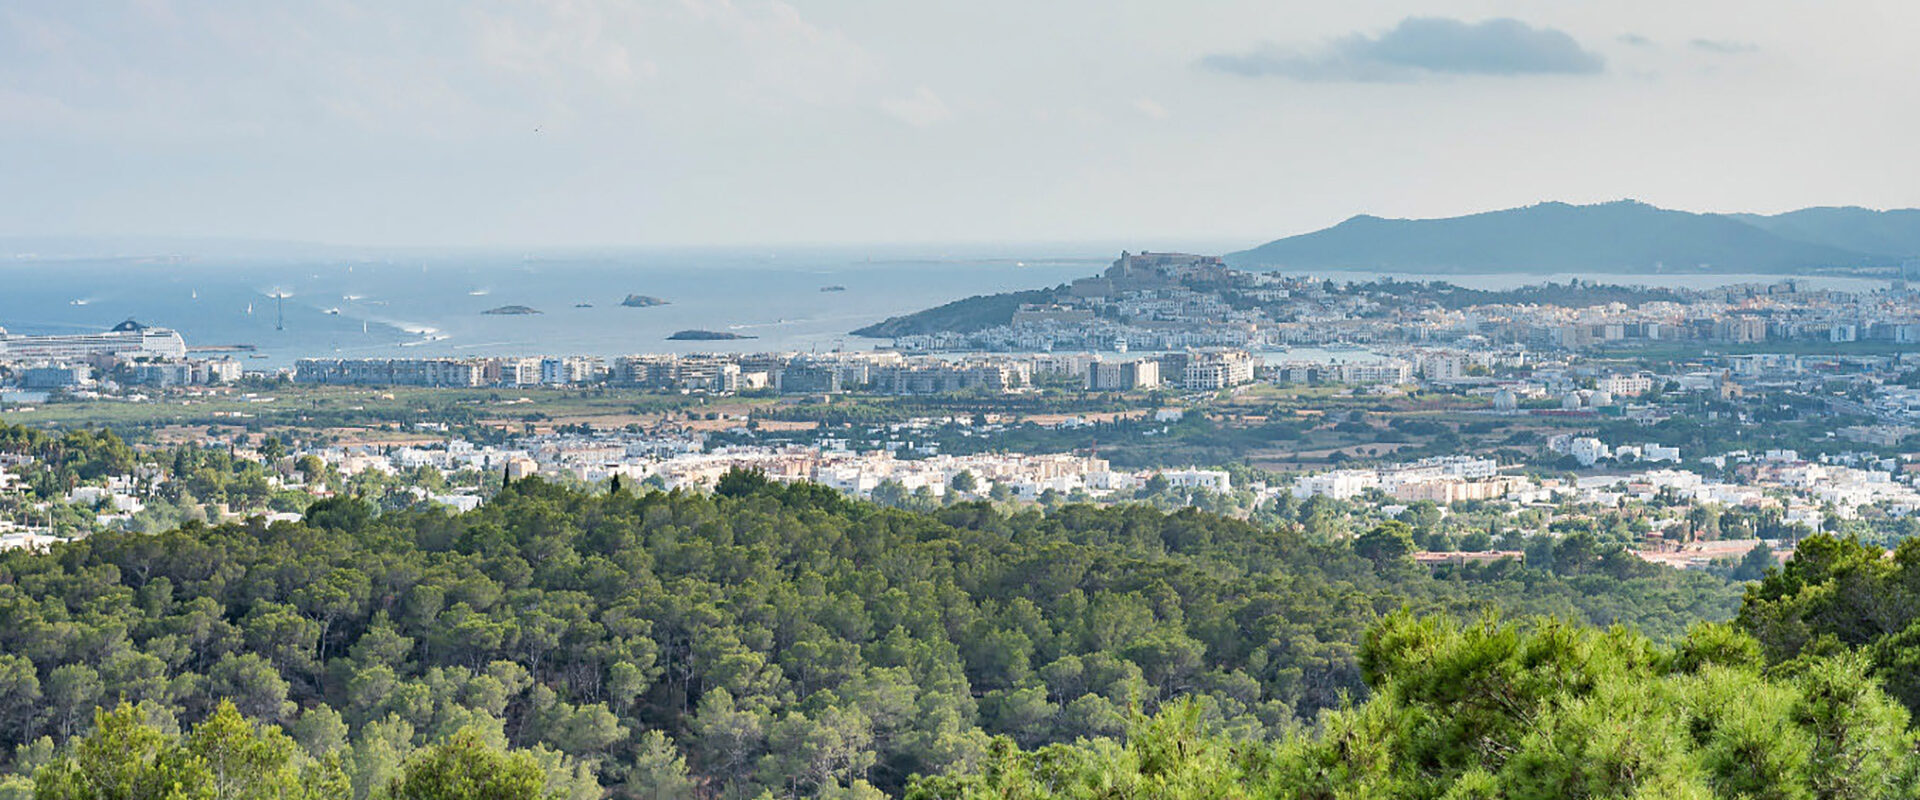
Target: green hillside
x=779 y=639
x=959 y=316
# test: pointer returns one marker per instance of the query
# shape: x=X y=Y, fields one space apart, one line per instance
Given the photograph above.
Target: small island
x=706 y=336
x=512 y=311
x=642 y=301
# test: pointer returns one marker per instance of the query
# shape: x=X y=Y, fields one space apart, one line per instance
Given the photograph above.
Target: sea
x=281 y=310
x=274 y=310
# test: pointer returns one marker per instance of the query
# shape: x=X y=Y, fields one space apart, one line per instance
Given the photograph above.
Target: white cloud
x=727 y=120
x=921 y=109
x=1150 y=108
x=571 y=41
x=767 y=52
x=1723 y=47
x=1421 y=46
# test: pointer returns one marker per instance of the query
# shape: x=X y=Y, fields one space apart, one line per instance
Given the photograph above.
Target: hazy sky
x=706 y=121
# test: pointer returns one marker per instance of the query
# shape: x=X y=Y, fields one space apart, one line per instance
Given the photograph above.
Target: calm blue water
x=432 y=305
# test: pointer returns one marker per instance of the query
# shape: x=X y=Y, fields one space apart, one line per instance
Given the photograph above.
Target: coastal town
x=1167 y=301
x=1155 y=346
x=768 y=400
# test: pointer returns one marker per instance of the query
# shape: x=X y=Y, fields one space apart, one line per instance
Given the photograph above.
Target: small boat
x=833 y=288
x=334 y=311
x=582 y=305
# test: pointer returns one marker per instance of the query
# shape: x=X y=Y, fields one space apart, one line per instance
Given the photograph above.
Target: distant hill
x=1893 y=233
x=1622 y=236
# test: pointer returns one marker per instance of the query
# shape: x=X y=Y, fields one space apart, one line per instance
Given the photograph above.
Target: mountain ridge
x=1617 y=236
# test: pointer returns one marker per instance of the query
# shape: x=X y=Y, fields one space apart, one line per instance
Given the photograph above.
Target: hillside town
x=1168 y=301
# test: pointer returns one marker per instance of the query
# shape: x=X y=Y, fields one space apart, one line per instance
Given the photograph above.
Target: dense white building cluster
x=1440 y=480
x=685 y=462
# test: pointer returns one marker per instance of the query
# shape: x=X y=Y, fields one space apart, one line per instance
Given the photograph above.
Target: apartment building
x=1122 y=376
x=1208 y=370
x=950 y=378
x=391 y=372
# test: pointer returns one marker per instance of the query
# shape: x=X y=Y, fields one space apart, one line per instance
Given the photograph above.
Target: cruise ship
x=126 y=340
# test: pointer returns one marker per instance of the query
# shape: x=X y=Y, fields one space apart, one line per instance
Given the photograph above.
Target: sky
x=744 y=122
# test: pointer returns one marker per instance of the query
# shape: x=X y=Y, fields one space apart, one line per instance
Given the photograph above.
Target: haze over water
x=433 y=305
